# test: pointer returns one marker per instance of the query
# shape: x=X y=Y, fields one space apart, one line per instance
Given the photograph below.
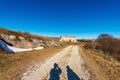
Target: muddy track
x=68 y=57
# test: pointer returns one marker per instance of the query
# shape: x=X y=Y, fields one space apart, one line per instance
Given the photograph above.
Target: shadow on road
x=55 y=73
x=72 y=75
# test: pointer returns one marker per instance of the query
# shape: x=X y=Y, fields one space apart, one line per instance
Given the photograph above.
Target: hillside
x=25 y=34
x=17 y=39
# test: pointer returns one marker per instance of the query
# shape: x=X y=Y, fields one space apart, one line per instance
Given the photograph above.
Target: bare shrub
x=107 y=44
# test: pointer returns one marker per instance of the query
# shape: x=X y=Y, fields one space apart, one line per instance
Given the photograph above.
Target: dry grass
x=26 y=35
x=102 y=67
x=13 y=65
x=109 y=46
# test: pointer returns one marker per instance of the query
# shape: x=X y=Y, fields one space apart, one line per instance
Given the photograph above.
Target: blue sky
x=80 y=18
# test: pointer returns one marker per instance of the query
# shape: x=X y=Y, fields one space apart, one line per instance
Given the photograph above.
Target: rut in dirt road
x=68 y=64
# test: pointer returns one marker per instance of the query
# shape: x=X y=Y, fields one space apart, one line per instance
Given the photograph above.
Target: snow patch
x=11 y=49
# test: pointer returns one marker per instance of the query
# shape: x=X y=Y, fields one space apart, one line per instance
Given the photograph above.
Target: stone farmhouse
x=68 y=39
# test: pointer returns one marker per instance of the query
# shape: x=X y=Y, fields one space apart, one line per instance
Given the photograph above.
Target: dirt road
x=70 y=57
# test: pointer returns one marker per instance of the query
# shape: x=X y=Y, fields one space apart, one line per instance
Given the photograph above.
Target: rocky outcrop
x=25 y=42
x=11 y=49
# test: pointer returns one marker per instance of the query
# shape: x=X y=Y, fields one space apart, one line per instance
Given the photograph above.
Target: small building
x=68 y=39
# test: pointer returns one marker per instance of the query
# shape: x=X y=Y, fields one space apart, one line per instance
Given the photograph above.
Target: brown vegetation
x=108 y=45
x=25 y=35
x=101 y=66
x=13 y=65
x=102 y=57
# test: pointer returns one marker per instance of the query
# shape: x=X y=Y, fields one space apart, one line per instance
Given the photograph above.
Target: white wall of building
x=68 y=39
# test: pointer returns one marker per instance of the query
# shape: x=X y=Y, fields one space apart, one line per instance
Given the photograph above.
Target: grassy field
x=13 y=65
x=101 y=66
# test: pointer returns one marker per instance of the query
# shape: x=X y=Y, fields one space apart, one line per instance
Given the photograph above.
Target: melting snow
x=11 y=49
